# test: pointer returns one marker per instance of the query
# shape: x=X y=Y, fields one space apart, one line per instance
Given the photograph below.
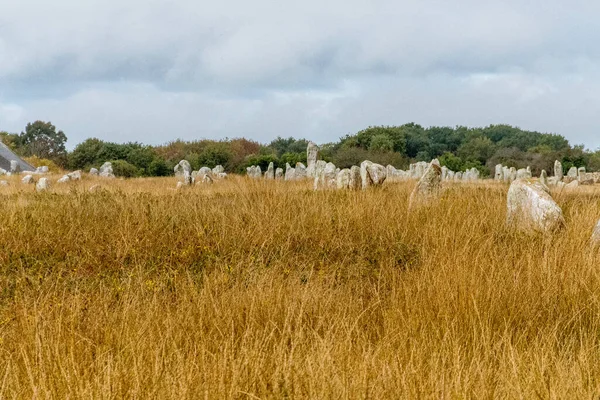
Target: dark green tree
x=41 y=139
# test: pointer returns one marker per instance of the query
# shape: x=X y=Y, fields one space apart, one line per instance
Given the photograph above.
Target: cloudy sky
x=156 y=70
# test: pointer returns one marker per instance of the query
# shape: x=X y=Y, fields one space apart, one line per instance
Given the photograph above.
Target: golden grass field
x=268 y=290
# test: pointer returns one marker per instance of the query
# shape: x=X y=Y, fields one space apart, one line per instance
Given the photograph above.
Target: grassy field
x=257 y=290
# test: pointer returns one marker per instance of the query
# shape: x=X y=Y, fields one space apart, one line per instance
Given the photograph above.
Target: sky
x=155 y=70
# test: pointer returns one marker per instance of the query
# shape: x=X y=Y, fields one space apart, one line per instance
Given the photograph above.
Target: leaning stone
x=530 y=207
x=42 y=185
x=429 y=187
x=28 y=179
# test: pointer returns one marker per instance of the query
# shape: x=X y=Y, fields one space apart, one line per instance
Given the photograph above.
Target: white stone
x=355 y=182
x=14 y=167
x=530 y=207
x=312 y=155
x=279 y=174
x=343 y=179
x=93 y=171
x=429 y=187
x=28 y=179
x=106 y=170
x=42 y=185
x=544 y=178
x=270 y=174
x=372 y=174
x=499 y=175
x=64 y=179
x=75 y=175
x=300 y=171
x=558 y=170
x=219 y=169
x=572 y=173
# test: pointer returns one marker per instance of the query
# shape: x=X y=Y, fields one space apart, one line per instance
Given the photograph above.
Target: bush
x=158 y=167
x=124 y=169
x=43 y=162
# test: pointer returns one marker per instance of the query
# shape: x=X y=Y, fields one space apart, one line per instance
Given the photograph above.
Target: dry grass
x=269 y=290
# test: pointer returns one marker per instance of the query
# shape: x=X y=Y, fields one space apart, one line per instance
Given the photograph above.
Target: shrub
x=124 y=169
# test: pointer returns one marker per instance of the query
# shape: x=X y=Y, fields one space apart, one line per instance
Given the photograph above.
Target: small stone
x=219 y=169
x=15 y=168
x=595 y=240
x=106 y=170
x=75 y=175
x=93 y=171
x=42 y=185
x=64 y=179
x=28 y=179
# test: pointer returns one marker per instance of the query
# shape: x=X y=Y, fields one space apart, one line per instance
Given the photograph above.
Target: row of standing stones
x=43 y=184
x=204 y=175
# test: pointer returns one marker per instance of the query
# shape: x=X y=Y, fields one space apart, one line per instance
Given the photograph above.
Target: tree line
x=459 y=148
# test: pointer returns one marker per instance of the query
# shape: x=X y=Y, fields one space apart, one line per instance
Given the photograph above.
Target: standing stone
x=572 y=173
x=279 y=174
x=75 y=175
x=300 y=171
x=289 y=172
x=343 y=179
x=355 y=178
x=558 y=170
x=498 y=176
x=581 y=174
x=28 y=179
x=429 y=187
x=312 y=155
x=544 y=178
x=202 y=172
x=444 y=173
x=182 y=167
x=530 y=207
x=218 y=170
x=106 y=170
x=15 y=168
x=513 y=174
x=94 y=171
x=371 y=174
x=505 y=174
x=64 y=179
x=42 y=185
x=325 y=177
x=270 y=174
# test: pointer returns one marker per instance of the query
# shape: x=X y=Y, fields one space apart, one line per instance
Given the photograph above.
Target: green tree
x=41 y=139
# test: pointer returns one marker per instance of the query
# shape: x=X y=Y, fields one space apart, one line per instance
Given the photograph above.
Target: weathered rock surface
x=279 y=174
x=75 y=175
x=300 y=171
x=372 y=174
x=429 y=187
x=106 y=170
x=355 y=178
x=530 y=207
x=14 y=167
x=270 y=174
x=312 y=155
x=28 y=179
x=558 y=170
x=343 y=179
x=544 y=178
x=64 y=179
x=219 y=169
x=94 y=171
x=42 y=185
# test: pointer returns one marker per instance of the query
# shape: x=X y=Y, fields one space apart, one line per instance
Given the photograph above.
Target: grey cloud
x=152 y=70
